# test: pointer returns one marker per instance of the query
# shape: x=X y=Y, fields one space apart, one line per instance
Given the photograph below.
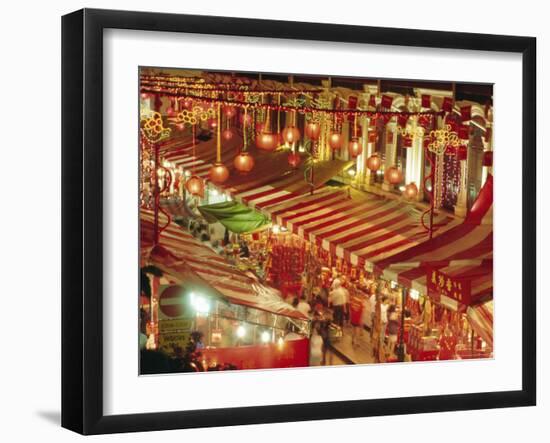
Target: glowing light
x=415 y=295
x=280 y=342
x=200 y=303
x=241 y=331
x=266 y=337
x=401 y=188
x=188 y=173
x=275 y=229
x=214 y=192
x=351 y=172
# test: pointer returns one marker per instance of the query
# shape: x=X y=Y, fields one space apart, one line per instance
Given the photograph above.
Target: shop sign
x=442 y=285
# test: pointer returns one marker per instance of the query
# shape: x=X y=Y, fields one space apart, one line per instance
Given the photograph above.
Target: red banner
x=442 y=285
x=387 y=101
x=447 y=105
x=426 y=101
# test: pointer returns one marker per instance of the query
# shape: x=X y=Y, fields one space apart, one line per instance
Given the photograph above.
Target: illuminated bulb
x=241 y=331
x=214 y=192
x=188 y=173
x=276 y=229
x=280 y=342
x=351 y=172
x=415 y=295
x=266 y=336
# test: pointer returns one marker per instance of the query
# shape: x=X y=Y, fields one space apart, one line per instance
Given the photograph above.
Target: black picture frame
x=82 y=216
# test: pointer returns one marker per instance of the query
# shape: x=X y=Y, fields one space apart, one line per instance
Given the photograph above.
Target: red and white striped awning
x=358 y=227
x=466 y=248
x=481 y=320
x=180 y=255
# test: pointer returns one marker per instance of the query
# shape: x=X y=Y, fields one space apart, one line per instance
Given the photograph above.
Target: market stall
x=201 y=292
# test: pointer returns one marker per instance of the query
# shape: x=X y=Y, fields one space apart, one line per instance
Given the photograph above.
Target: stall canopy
x=235 y=216
x=184 y=258
x=481 y=318
x=358 y=227
x=465 y=251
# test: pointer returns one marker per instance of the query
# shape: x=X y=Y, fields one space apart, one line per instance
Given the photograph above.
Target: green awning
x=235 y=216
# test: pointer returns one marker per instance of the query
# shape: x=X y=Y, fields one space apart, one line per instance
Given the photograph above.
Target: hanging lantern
x=243 y=162
x=219 y=173
x=195 y=186
x=267 y=141
x=291 y=134
x=227 y=134
x=313 y=130
x=355 y=148
x=212 y=123
x=229 y=111
x=393 y=175
x=335 y=140
x=411 y=191
x=188 y=103
x=294 y=159
x=374 y=163
x=373 y=136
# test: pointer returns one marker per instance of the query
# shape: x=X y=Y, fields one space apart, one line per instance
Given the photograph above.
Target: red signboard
x=443 y=285
x=172 y=302
x=288 y=354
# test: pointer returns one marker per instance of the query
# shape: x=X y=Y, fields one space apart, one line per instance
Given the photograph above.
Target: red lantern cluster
x=393 y=175
x=244 y=162
x=219 y=173
x=355 y=148
x=374 y=163
x=291 y=134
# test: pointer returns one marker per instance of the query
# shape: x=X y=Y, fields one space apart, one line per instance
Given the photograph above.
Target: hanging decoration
x=266 y=140
x=393 y=175
x=441 y=138
x=291 y=134
x=313 y=130
x=194 y=184
x=374 y=162
x=411 y=191
x=152 y=128
x=218 y=172
x=244 y=162
x=355 y=147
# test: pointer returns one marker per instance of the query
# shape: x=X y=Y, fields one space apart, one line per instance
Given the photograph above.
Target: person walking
x=338 y=299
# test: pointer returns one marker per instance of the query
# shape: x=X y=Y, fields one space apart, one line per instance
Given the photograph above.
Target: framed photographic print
x=263 y=220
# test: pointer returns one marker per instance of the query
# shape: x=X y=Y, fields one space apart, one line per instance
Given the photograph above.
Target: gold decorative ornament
x=153 y=128
x=441 y=138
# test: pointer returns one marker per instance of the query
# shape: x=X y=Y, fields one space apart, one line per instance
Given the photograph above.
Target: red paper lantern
x=294 y=159
x=355 y=148
x=187 y=103
x=411 y=191
x=488 y=158
x=219 y=173
x=313 y=130
x=335 y=140
x=227 y=134
x=393 y=175
x=229 y=111
x=267 y=141
x=195 y=185
x=212 y=123
x=374 y=162
x=291 y=134
x=243 y=162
